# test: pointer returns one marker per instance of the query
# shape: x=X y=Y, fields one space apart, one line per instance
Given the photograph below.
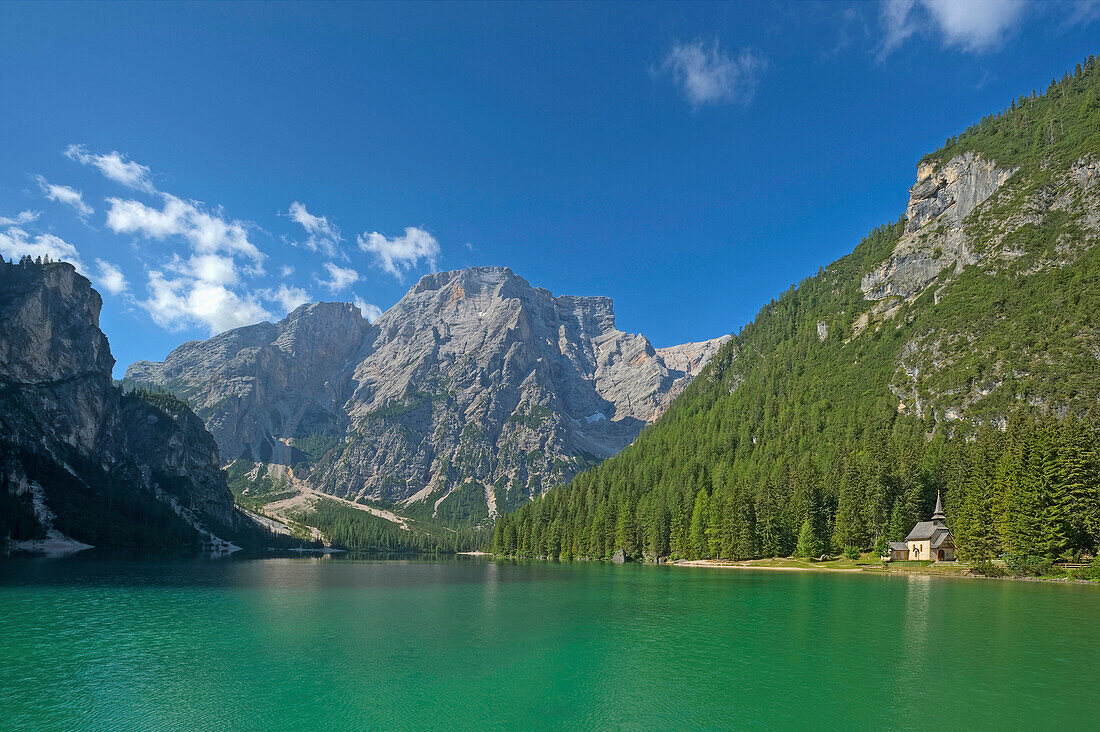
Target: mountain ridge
x=474 y=378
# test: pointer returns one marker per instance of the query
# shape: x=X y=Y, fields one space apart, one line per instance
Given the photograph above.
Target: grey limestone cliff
x=969 y=214
x=79 y=458
x=944 y=195
x=473 y=380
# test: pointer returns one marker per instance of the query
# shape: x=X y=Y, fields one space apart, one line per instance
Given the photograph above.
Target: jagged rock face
x=939 y=202
x=255 y=384
x=73 y=445
x=951 y=223
x=688 y=359
x=51 y=328
x=474 y=376
x=955 y=188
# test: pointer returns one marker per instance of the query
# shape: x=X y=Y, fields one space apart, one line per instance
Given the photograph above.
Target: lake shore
x=751 y=564
x=950 y=569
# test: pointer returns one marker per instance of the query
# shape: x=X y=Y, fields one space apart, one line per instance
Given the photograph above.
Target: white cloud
x=115 y=166
x=288 y=297
x=339 y=277
x=896 y=24
x=370 y=311
x=15 y=242
x=200 y=293
x=210 y=268
x=177 y=303
x=975 y=26
x=399 y=254
x=110 y=277
x=708 y=75
x=21 y=219
x=286 y=270
x=202 y=285
x=321 y=234
x=66 y=195
x=206 y=232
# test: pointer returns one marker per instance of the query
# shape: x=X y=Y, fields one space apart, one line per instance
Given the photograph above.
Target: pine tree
x=700 y=520
x=809 y=543
x=1075 y=487
x=626 y=530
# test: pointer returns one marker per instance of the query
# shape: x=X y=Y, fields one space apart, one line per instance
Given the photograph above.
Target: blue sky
x=213 y=165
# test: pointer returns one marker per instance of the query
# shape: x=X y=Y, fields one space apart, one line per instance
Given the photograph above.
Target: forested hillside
x=956 y=350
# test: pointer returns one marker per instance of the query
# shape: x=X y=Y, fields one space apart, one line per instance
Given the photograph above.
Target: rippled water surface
x=302 y=643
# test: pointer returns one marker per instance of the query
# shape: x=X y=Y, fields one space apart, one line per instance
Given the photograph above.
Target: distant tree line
x=26 y=260
x=1033 y=489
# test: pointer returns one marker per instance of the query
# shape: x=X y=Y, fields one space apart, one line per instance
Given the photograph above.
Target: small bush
x=851 y=552
x=988 y=569
x=1091 y=572
x=1029 y=566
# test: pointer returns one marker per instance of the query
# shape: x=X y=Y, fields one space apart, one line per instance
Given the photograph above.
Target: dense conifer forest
x=792 y=441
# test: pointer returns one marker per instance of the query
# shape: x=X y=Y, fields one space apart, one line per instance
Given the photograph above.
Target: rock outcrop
x=967 y=213
x=473 y=380
x=954 y=188
x=78 y=457
x=944 y=195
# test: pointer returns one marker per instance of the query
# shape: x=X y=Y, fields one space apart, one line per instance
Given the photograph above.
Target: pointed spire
x=938 y=515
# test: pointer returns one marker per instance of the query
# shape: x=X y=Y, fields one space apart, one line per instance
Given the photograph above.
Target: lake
x=340 y=643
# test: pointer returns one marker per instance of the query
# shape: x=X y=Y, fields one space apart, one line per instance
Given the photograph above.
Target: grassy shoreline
x=865 y=564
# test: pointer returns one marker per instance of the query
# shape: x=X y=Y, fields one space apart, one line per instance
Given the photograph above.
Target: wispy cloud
x=287 y=297
x=974 y=26
x=370 y=311
x=1082 y=12
x=322 y=235
x=205 y=231
x=706 y=74
x=399 y=254
x=340 y=278
x=110 y=277
x=65 y=195
x=21 y=219
x=114 y=166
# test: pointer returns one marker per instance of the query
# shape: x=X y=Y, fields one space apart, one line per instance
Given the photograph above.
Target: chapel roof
x=923 y=530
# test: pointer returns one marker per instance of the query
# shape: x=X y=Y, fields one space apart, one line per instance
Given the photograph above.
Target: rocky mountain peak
x=473 y=377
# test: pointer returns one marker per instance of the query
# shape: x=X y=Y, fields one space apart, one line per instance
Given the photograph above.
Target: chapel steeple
x=938 y=517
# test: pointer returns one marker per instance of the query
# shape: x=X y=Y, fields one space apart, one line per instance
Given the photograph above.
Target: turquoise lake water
x=340 y=643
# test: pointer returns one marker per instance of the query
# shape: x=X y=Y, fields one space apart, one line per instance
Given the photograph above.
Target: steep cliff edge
x=81 y=460
x=470 y=395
